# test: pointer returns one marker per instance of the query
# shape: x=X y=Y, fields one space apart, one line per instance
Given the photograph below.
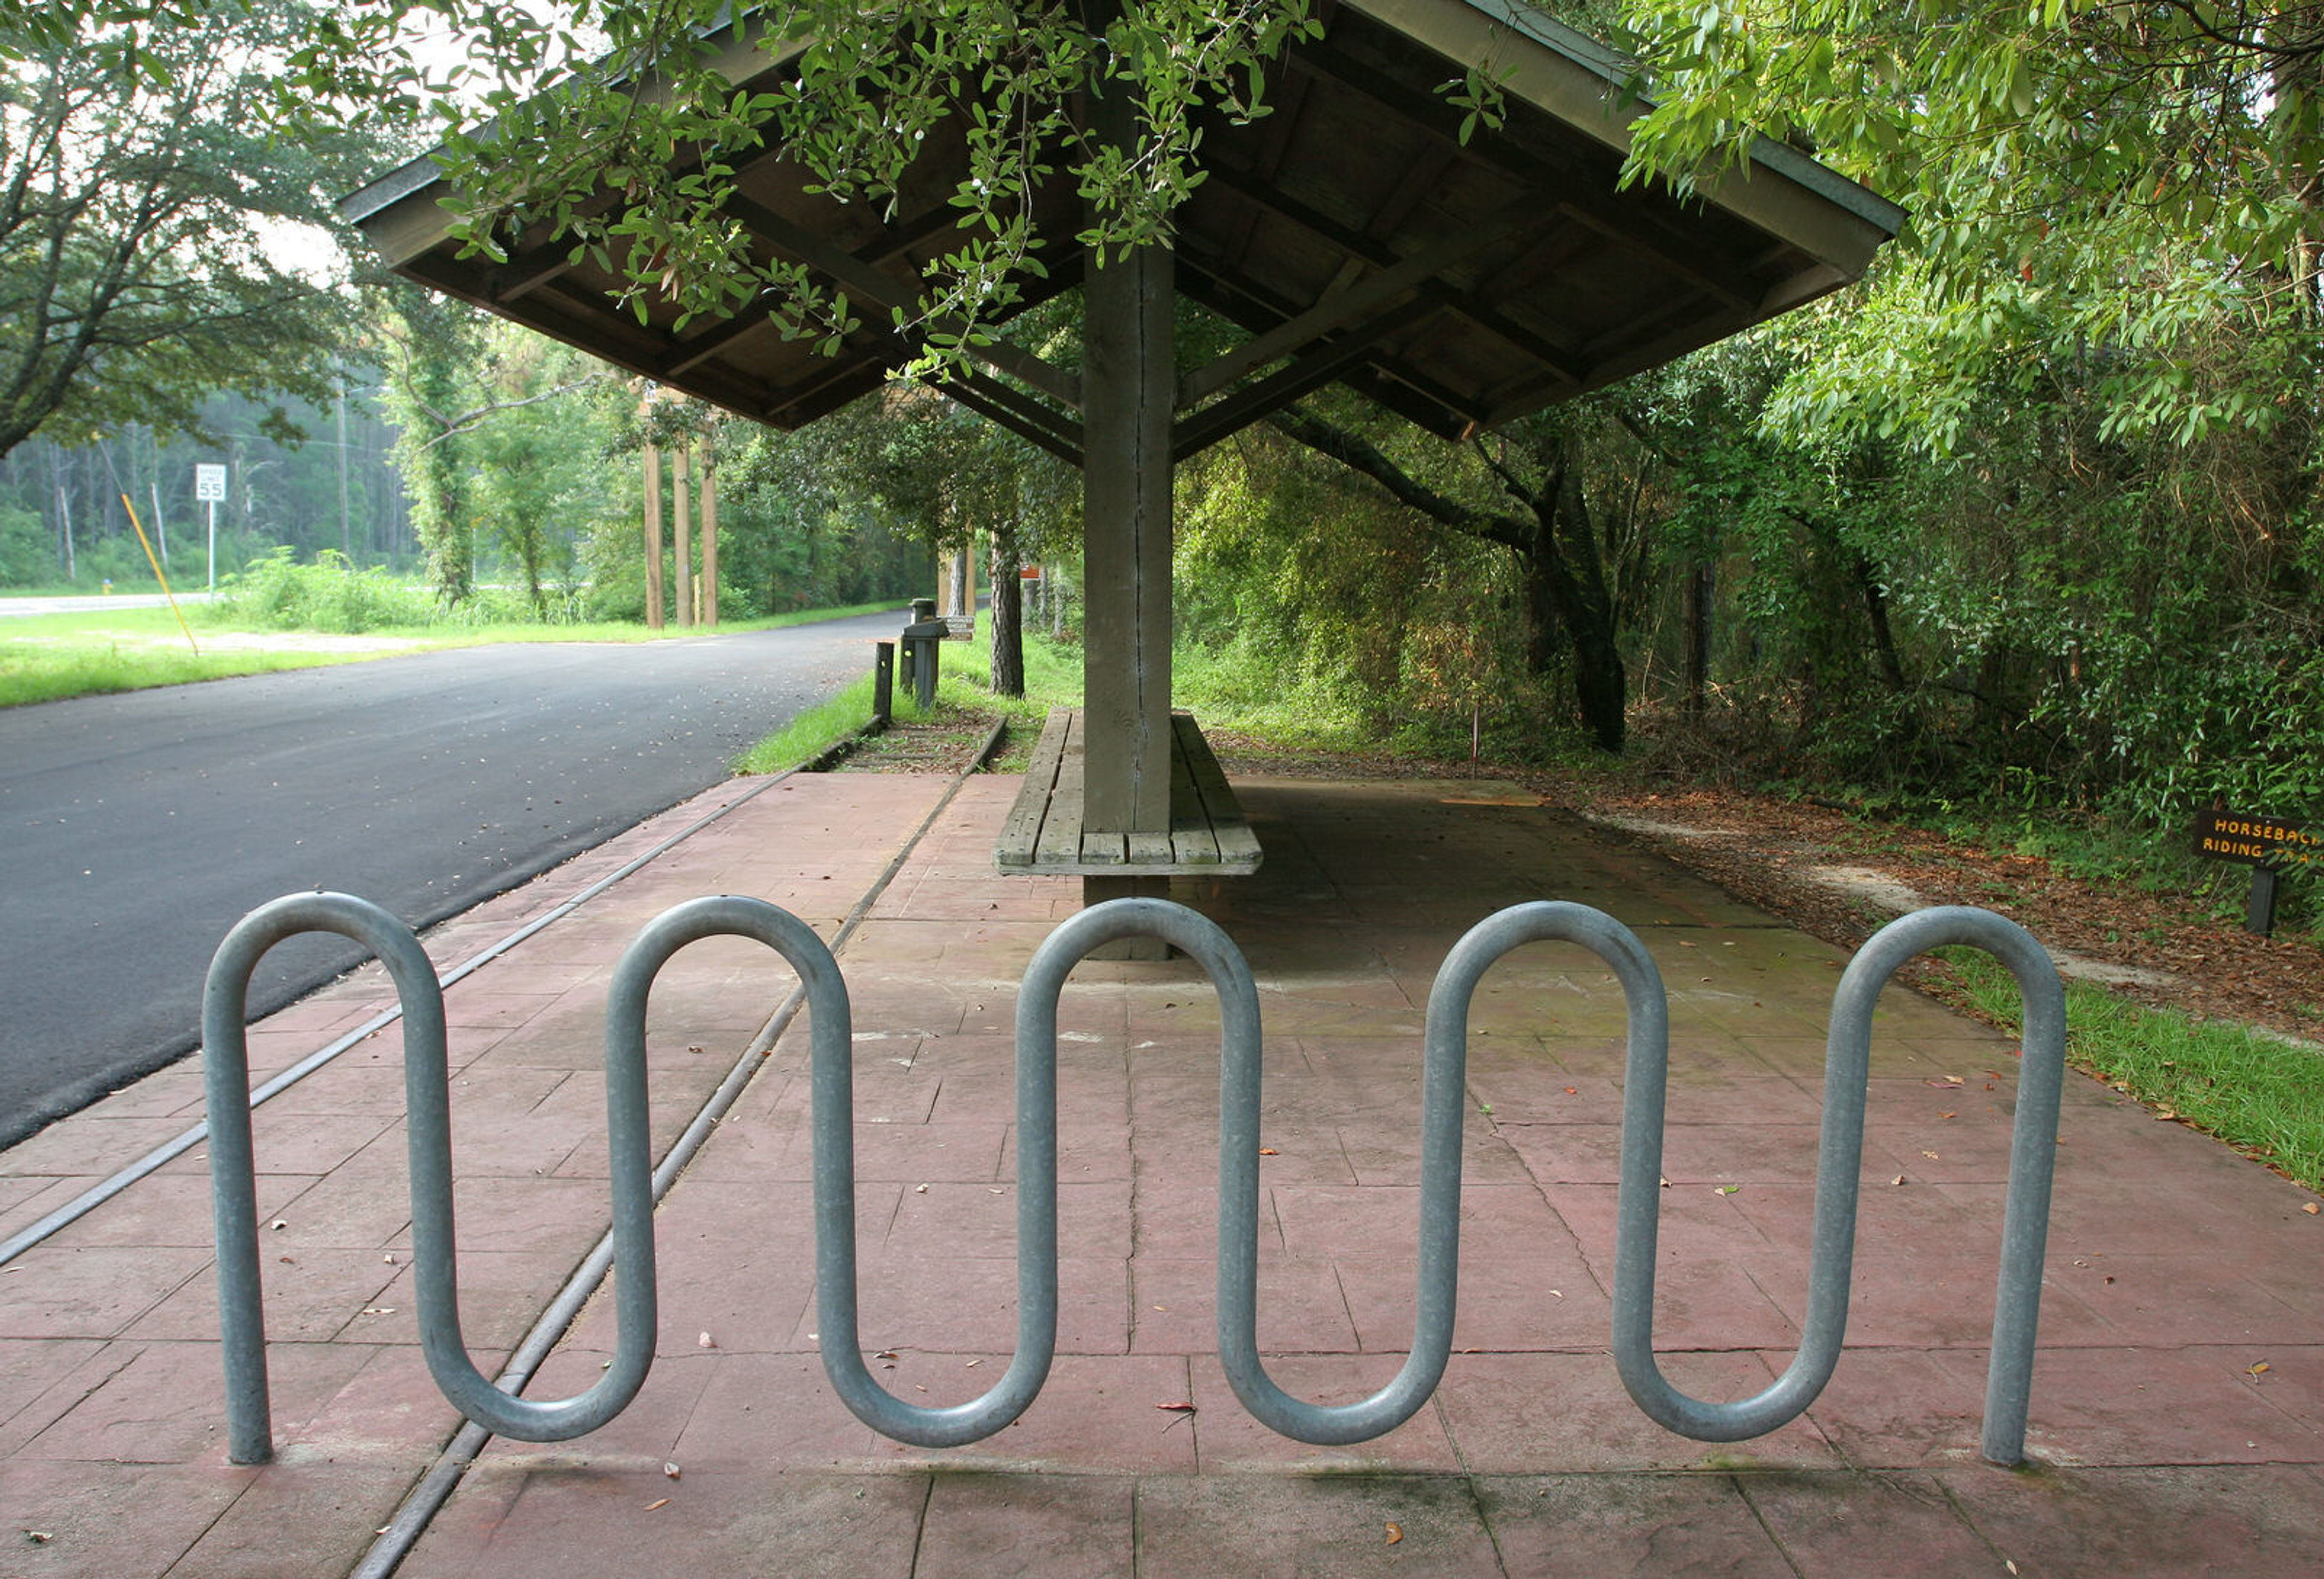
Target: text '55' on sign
x=2254 y=839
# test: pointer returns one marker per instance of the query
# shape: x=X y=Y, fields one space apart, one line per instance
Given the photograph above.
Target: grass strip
x=48 y=658
x=54 y=668
x=812 y=733
x=2256 y=1091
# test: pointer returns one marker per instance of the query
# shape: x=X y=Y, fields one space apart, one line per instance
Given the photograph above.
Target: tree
x=142 y=214
x=1579 y=540
x=451 y=375
x=635 y=79
x=2086 y=180
x=944 y=474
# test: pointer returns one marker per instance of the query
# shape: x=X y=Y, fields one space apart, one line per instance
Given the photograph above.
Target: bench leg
x=1096 y=891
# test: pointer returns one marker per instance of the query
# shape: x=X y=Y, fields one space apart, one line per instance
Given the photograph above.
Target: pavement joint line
x=96 y=1194
x=426 y=1498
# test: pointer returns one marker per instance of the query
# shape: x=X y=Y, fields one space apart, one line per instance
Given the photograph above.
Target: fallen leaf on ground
x=657 y=1502
x=1394 y=1533
x=1177 y=1408
x=2258 y=1370
x=1269 y=1151
x=669 y=1469
x=2311 y=1207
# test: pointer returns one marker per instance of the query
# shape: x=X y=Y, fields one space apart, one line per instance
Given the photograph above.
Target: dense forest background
x=2027 y=521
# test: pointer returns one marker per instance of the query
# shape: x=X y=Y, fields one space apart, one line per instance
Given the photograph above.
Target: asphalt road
x=135 y=829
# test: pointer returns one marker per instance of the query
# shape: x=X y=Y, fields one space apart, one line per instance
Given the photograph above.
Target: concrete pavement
x=2177 y=1408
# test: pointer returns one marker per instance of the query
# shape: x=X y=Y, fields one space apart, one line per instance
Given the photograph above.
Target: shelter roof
x=1351 y=236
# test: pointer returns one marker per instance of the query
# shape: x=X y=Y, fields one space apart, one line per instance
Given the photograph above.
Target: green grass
x=1053 y=679
x=2253 y=1091
x=49 y=658
x=812 y=733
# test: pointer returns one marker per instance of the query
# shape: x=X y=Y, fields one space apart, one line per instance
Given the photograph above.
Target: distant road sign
x=210 y=484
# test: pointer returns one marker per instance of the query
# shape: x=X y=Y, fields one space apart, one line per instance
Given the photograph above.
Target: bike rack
x=1839 y=1150
x=242 y=1324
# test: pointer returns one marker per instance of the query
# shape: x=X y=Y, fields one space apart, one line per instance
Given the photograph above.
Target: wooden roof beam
x=1464 y=304
x=1025 y=416
x=1311 y=369
x=867 y=283
x=1406 y=275
x=1238 y=302
x=1432 y=114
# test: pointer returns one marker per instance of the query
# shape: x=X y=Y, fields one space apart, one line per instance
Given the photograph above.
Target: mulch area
x=1764 y=850
x=947 y=743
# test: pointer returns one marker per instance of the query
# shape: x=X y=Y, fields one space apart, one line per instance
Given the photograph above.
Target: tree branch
x=1360 y=455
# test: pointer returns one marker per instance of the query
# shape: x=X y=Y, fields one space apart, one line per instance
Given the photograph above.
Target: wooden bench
x=1209 y=836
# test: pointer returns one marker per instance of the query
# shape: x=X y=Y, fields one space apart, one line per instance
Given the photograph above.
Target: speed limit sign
x=210 y=484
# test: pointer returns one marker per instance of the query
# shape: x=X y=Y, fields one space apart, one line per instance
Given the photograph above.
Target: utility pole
x=346 y=531
x=709 y=610
x=653 y=537
x=681 y=531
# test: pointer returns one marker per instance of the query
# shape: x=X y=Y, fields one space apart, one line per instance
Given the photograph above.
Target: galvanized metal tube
x=1443 y=1080
x=1838 y=1161
x=832 y=1095
x=428 y=1139
x=225 y=1078
x=1833 y=1249
x=2033 y=1134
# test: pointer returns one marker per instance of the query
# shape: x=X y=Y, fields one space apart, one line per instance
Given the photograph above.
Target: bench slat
x=1236 y=844
x=1193 y=841
x=1020 y=836
x=1060 y=843
x=1044 y=832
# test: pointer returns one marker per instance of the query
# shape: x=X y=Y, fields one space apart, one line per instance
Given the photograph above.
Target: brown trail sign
x=2264 y=844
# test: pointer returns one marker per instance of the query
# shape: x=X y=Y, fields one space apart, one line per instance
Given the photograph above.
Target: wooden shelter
x=1351 y=236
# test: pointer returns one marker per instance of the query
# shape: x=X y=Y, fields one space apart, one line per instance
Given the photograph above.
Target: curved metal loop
x=955 y=1426
x=2032 y=1139
x=832 y=1103
x=428 y=1152
x=225 y=1080
x=1444 y=1077
x=1838 y=1161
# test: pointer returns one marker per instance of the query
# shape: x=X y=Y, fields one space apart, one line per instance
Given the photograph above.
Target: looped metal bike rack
x=1838 y=1161
x=428 y=1132
x=832 y=1119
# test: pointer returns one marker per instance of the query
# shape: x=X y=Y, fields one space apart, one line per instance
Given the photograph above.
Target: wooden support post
x=709 y=537
x=681 y=534
x=1128 y=383
x=653 y=538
